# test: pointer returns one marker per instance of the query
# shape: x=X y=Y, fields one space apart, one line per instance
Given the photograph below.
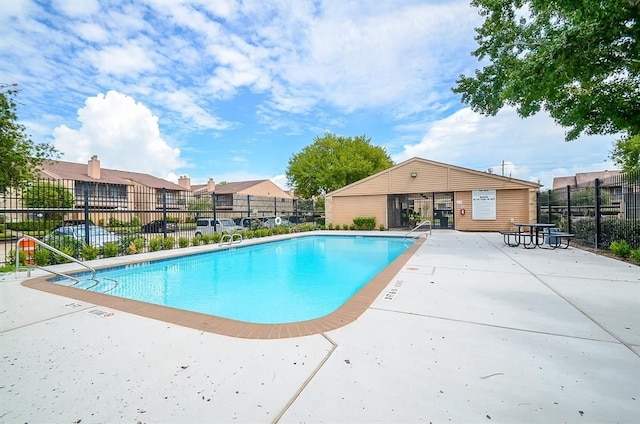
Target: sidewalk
x=469 y=331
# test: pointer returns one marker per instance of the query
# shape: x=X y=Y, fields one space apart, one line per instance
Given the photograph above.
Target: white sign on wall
x=483 y=205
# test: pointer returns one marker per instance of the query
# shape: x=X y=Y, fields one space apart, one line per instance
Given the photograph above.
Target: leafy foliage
x=576 y=59
x=332 y=162
x=47 y=195
x=626 y=153
x=20 y=157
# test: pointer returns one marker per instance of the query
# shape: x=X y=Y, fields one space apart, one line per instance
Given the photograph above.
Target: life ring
x=278 y=220
x=462 y=211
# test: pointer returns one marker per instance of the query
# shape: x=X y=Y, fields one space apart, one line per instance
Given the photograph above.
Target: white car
x=222 y=225
x=98 y=236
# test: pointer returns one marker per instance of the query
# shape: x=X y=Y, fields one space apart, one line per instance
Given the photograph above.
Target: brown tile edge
x=347 y=313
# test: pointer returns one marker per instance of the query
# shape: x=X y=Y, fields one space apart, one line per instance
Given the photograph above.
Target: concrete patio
x=469 y=330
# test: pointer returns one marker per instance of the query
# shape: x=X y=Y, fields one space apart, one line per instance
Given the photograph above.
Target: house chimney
x=184 y=182
x=211 y=186
x=94 y=168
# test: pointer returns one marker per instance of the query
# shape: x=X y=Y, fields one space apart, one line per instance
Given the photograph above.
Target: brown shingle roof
x=79 y=172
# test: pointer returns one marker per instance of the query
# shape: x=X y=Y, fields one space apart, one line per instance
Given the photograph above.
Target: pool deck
x=467 y=330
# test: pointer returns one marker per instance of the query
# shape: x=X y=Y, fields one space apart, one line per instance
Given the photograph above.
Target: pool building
x=449 y=196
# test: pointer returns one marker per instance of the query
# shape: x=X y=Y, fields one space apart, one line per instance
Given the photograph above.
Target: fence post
x=275 y=206
x=598 y=220
x=569 y=209
x=215 y=218
x=164 y=212
x=86 y=211
x=249 y=205
x=549 y=206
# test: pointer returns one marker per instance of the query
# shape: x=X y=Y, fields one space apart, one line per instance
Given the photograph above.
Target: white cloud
x=123 y=133
x=91 y=32
x=130 y=58
x=281 y=181
x=77 y=8
x=531 y=149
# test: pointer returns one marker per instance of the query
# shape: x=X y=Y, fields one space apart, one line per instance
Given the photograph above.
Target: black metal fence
x=125 y=211
x=602 y=212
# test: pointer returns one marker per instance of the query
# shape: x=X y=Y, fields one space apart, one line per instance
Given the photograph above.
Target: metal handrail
x=231 y=238
x=57 y=252
x=427 y=223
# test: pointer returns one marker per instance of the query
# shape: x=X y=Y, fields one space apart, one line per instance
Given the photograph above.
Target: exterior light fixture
x=414 y=174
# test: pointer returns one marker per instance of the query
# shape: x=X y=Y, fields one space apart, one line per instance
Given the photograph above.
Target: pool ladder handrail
x=57 y=252
x=420 y=225
x=230 y=239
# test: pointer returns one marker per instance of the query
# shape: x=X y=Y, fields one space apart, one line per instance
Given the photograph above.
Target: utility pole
x=503 y=168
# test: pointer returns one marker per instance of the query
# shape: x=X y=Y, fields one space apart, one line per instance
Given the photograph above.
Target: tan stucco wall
x=511 y=206
x=345 y=209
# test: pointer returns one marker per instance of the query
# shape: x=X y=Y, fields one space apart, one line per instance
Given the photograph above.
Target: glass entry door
x=443 y=210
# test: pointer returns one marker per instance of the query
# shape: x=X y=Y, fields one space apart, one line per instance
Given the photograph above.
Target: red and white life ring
x=462 y=211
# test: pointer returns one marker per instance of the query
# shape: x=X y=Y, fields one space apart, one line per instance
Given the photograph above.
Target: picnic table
x=535 y=234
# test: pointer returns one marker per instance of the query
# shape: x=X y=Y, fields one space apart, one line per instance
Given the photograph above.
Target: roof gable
x=418 y=175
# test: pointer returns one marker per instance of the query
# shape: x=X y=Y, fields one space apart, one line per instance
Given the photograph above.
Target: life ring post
x=28 y=247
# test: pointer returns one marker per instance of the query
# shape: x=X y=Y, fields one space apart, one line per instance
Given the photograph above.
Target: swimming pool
x=285 y=281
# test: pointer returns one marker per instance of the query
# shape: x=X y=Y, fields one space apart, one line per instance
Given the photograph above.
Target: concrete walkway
x=468 y=331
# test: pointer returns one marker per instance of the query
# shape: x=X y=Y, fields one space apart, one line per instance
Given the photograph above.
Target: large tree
x=47 y=195
x=578 y=60
x=332 y=162
x=20 y=157
x=626 y=153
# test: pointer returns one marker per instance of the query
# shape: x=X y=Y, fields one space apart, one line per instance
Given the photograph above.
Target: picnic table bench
x=539 y=235
x=558 y=238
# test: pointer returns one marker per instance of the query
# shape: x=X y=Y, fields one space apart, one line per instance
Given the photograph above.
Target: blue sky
x=230 y=90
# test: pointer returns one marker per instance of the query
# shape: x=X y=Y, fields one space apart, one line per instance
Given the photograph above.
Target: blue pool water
x=278 y=282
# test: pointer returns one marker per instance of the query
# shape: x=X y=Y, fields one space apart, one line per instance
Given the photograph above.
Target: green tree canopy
x=20 y=157
x=332 y=162
x=626 y=153
x=578 y=60
x=47 y=195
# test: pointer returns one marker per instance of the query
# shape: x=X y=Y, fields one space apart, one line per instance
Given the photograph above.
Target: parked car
x=98 y=236
x=156 y=226
x=276 y=222
x=70 y=222
x=222 y=225
x=249 y=223
x=297 y=219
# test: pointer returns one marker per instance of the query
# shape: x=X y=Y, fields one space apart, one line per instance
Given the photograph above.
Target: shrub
x=635 y=255
x=206 y=239
x=353 y=227
x=620 y=248
x=183 y=242
x=135 y=221
x=155 y=244
x=345 y=227
x=196 y=241
x=168 y=243
x=217 y=237
x=111 y=250
x=381 y=227
x=132 y=243
x=365 y=222
x=42 y=256
x=89 y=252
x=320 y=222
x=66 y=244
x=136 y=245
